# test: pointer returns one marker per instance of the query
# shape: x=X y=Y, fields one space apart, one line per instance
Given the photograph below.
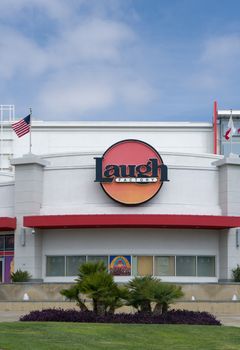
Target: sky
x=140 y=60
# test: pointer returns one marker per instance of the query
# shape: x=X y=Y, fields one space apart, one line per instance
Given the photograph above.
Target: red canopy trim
x=131 y=221
x=7 y=224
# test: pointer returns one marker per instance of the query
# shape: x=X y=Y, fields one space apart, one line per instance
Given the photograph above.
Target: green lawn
x=64 y=336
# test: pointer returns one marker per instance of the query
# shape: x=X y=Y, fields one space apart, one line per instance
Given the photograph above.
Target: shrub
x=144 y=292
x=141 y=293
x=164 y=295
x=73 y=293
x=170 y=317
x=96 y=283
x=20 y=276
x=236 y=274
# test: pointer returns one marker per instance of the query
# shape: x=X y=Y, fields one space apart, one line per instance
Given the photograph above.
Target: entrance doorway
x=1 y=270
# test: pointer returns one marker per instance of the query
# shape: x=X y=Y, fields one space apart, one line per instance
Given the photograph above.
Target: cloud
x=87 y=62
x=137 y=92
x=93 y=40
x=217 y=66
x=79 y=94
x=73 y=95
x=84 y=68
x=19 y=54
x=55 y=9
x=105 y=59
x=222 y=52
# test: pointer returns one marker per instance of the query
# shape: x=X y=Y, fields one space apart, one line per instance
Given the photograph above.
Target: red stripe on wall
x=215 y=115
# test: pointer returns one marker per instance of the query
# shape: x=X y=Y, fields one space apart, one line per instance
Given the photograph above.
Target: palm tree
x=96 y=283
x=141 y=293
x=164 y=295
x=73 y=293
x=149 y=295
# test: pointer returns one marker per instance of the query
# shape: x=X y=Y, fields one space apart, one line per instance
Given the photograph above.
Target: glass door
x=1 y=270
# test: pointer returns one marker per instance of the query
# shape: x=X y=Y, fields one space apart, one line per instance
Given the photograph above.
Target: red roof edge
x=7 y=224
x=131 y=221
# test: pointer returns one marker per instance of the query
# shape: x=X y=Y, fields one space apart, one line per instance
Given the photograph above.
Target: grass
x=63 y=336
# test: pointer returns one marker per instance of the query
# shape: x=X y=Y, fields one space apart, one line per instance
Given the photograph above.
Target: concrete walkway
x=10 y=316
x=229 y=320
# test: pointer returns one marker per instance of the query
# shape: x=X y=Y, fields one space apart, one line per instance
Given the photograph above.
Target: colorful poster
x=120 y=265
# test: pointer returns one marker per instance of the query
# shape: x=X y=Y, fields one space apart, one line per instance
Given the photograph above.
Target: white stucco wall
x=69 y=187
x=130 y=242
x=7 y=199
x=58 y=137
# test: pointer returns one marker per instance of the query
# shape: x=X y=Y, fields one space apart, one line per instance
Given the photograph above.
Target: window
x=73 y=263
x=134 y=265
x=127 y=265
x=97 y=258
x=2 y=242
x=55 y=266
x=9 y=242
x=69 y=265
x=186 y=266
x=144 y=265
x=164 y=266
x=206 y=266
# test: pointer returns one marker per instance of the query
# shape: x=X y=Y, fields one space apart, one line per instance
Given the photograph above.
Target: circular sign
x=131 y=172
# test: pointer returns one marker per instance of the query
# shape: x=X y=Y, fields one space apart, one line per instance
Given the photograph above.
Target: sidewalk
x=10 y=316
x=229 y=320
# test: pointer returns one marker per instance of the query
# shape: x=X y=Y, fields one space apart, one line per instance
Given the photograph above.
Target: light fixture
x=26 y=297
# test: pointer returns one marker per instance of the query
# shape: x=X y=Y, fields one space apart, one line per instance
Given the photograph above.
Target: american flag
x=22 y=127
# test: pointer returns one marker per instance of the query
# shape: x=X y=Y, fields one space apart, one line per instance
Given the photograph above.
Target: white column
x=28 y=199
x=229 y=200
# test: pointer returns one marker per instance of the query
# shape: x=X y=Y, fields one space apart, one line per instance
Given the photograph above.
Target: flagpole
x=231 y=134
x=30 y=132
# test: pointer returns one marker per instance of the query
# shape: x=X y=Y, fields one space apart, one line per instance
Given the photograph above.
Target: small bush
x=97 y=284
x=144 y=292
x=170 y=317
x=20 y=276
x=236 y=274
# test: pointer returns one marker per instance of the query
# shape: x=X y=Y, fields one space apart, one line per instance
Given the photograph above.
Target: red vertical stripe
x=215 y=115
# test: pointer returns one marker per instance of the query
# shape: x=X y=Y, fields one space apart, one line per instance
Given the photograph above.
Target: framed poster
x=120 y=265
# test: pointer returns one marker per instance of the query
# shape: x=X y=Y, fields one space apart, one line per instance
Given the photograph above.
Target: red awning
x=7 y=224
x=131 y=221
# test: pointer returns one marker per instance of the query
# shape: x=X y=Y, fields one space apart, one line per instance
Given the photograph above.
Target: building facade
x=54 y=215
